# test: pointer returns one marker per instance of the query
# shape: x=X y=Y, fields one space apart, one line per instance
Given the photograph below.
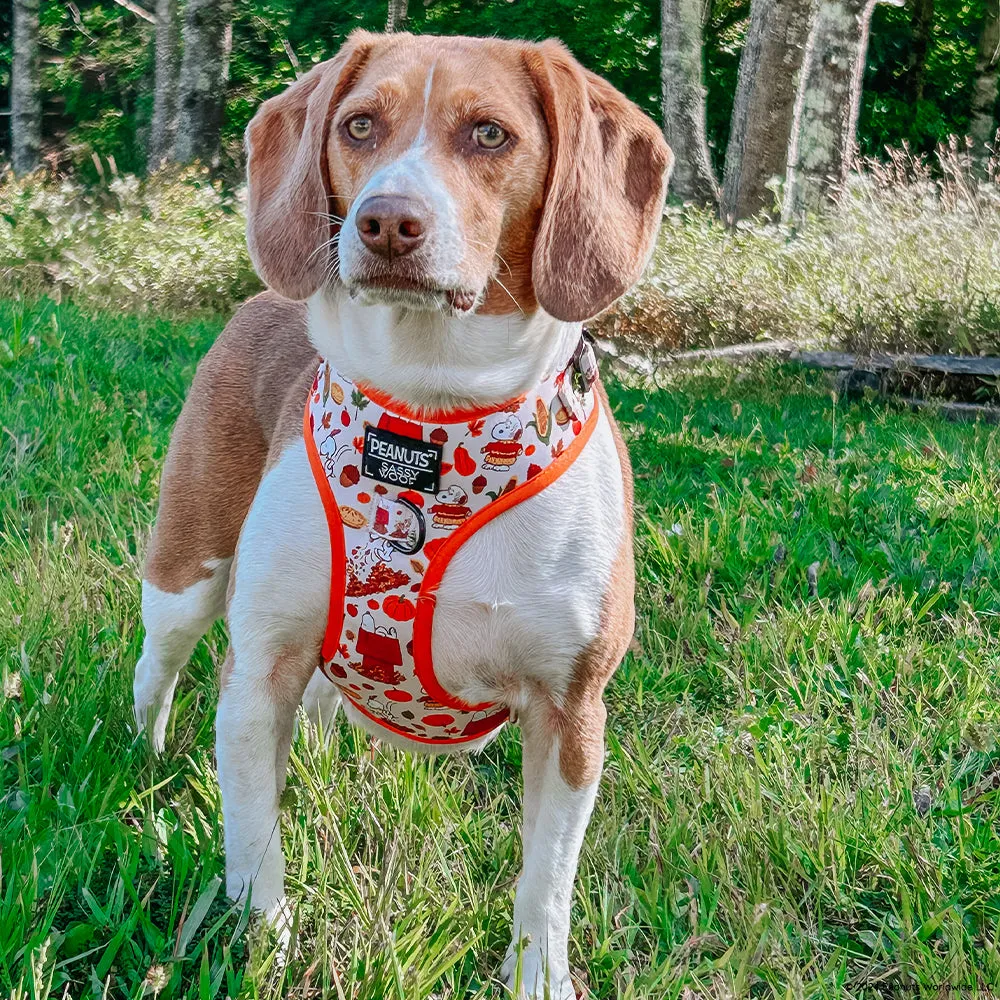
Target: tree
x=202 y=85
x=163 y=132
x=983 y=123
x=764 y=104
x=684 y=101
x=822 y=146
x=25 y=89
x=397 y=15
x=921 y=25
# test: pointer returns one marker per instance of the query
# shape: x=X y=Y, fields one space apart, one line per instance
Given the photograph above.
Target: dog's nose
x=391 y=225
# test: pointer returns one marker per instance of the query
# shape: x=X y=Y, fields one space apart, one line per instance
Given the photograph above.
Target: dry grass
x=909 y=259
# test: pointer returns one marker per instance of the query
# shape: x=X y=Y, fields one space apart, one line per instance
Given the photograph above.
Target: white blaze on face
x=412 y=176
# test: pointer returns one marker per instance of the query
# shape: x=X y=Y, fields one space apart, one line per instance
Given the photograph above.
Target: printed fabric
x=401 y=496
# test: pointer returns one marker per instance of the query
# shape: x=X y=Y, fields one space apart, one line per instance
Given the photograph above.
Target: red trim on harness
x=338 y=557
x=495 y=720
x=400 y=409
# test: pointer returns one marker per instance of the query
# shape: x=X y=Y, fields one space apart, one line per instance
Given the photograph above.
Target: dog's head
x=455 y=173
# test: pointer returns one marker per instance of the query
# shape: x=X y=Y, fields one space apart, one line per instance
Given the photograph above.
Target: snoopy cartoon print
x=364 y=558
x=451 y=508
x=505 y=448
x=331 y=450
x=380 y=652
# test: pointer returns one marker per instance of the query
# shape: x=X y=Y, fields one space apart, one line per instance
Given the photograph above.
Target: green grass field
x=798 y=798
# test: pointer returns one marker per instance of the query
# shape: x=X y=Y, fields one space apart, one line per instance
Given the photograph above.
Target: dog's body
x=535 y=610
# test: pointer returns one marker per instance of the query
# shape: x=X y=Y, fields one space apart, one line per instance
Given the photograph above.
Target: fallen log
x=956 y=412
x=866 y=371
x=943 y=364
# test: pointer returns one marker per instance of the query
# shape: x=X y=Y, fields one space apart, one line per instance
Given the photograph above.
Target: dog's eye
x=489 y=135
x=359 y=127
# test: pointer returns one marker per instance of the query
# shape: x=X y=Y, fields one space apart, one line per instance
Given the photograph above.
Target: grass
x=798 y=798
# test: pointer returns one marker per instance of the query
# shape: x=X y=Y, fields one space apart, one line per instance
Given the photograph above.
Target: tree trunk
x=983 y=124
x=397 y=15
x=822 y=148
x=25 y=89
x=684 y=101
x=164 y=128
x=921 y=25
x=764 y=104
x=202 y=85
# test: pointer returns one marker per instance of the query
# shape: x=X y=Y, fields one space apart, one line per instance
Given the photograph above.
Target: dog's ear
x=608 y=172
x=289 y=229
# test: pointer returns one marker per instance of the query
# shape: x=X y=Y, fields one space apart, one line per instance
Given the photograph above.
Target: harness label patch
x=401 y=461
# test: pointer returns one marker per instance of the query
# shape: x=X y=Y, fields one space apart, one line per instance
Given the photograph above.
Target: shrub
x=908 y=260
x=173 y=243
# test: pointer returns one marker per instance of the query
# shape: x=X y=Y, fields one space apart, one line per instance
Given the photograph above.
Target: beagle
x=395 y=473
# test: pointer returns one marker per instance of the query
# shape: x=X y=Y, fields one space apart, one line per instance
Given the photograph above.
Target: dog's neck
x=432 y=360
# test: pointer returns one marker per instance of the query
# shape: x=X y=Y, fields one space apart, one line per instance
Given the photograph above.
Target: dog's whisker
x=505 y=264
x=326 y=215
x=508 y=291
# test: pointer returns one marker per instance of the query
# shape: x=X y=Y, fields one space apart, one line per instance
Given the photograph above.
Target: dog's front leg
x=261 y=689
x=563 y=755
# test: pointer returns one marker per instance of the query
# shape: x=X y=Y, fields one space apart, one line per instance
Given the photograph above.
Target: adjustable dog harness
x=402 y=494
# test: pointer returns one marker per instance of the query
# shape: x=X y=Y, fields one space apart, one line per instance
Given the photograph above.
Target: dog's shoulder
x=255 y=361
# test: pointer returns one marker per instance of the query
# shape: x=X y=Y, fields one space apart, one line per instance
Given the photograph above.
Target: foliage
x=904 y=262
x=174 y=242
x=798 y=795
x=97 y=59
x=891 y=110
x=97 y=67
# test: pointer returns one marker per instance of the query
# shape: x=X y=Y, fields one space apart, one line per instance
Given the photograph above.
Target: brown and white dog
x=436 y=216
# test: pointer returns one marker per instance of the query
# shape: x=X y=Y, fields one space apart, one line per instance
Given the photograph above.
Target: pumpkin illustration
x=465 y=464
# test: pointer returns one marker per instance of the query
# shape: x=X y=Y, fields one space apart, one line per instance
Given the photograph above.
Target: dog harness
x=402 y=494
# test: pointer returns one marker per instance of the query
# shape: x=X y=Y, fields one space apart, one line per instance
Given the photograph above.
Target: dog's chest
x=437 y=553
x=523 y=597
x=518 y=602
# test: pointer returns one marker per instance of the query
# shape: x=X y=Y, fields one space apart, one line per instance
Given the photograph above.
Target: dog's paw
x=524 y=972
x=279 y=918
x=147 y=712
x=320 y=702
x=270 y=909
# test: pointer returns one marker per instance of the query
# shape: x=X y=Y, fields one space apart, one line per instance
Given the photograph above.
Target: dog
x=434 y=218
